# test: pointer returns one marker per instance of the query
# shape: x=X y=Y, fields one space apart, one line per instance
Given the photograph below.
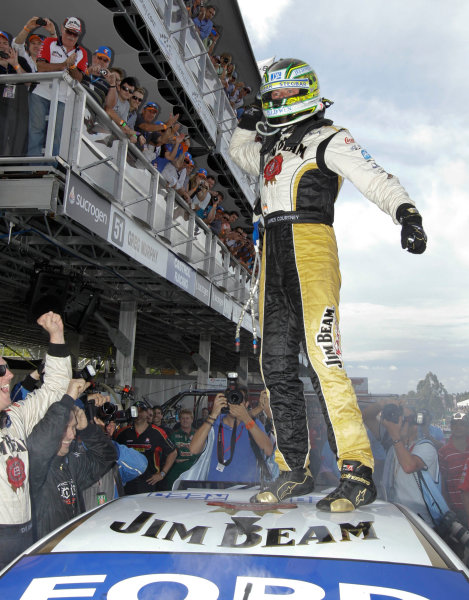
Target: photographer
x=405 y=458
x=155 y=444
x=99 y=80
x=28 y=44
x=57 y=475
x=129 y=463
x=16 y=423
x=239 y=438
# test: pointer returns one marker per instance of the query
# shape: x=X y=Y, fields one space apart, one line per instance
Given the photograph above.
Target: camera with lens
x=123 y=416
x=87 y=373
x=455 y=534
x=4 y=54
x=233 y=392
x=106 y=412
x=392 y=412
x=225 y=60
x=103 y=72
x=40 y=22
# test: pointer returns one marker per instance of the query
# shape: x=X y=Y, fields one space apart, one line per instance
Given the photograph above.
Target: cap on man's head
x=140 y=404
x=460 y=416
x=35 y=36
x=73 y=24
x=248 y=89
x=202 y=172
x=152 y=106
x=5 y=35
x=104 y=51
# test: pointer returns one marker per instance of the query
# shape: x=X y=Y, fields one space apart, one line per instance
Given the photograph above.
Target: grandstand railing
x=173 y=29
x=94 y=149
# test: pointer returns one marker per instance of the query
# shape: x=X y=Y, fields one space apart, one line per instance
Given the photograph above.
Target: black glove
x=250 y=117
x=413 y=236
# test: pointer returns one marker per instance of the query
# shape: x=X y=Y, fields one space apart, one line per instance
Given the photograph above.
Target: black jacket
x=56 y=481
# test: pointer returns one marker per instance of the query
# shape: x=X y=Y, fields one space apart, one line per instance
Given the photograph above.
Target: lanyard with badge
x=222 y=463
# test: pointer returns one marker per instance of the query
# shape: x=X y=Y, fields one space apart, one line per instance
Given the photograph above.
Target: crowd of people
x=162 y=142
x=60 y=458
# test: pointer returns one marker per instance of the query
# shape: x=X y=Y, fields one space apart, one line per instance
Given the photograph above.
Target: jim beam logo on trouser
x=328 y=338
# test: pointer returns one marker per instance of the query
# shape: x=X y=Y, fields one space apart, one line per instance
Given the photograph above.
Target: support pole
x=127 y=326
x=204 y=351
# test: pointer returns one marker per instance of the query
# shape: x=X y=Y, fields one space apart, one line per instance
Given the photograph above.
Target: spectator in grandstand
x=453 y=457
x=239 y=446
x=212 y=215
x=200 y=195
x=238 y=100
x=57 y=54
x=129 y=464
x=135 y=101
x=146 y=122
x=99 y=80
x=184 y=173
x=244 y=249
x=406 y=456
x=120 y=111
x=170 y=159
x=204 y=25
x=28 y=44
x=181 y=439
x=193 y=7
x=16 y=423
x=13 y=102
x=154 y=442
x=60 y=469
x=120 y=74
x=157 y=419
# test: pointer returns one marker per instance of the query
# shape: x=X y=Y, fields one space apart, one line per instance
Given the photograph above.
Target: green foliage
x=432 y=395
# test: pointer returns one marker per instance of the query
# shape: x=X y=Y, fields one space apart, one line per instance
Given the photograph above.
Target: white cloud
x=262 y=19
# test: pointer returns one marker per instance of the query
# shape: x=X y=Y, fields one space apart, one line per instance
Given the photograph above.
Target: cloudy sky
x=398 y=75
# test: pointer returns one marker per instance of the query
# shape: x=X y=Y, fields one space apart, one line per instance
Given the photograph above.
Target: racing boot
x=288 y=484
x=355 y=488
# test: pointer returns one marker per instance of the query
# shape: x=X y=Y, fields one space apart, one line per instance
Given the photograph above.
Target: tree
x=432 y=395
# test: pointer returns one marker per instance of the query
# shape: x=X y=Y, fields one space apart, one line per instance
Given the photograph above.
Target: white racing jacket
x=296 y=181
x=15 y=505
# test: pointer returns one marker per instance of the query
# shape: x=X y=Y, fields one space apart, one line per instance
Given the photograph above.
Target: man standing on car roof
x=302 y=161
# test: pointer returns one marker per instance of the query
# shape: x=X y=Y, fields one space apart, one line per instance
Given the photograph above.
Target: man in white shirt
x=56 y=54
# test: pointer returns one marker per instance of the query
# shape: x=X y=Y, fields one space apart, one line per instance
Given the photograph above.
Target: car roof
x=160 y=521
x=187 y=530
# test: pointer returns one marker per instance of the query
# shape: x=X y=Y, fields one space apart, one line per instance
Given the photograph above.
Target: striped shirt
x=452 y=463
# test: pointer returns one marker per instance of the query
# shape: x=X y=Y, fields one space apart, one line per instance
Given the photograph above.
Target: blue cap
x=104 y=51
x=153 y=105
x=5 y=35
x=202 y=172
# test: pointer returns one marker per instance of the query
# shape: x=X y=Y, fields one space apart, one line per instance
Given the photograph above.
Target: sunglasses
x=137 y=98
x=3 y=370
x=73 y=33
x=126 y=89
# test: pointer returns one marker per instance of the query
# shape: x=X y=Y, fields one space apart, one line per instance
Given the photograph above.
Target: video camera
x=392 y=412
x=233 y=393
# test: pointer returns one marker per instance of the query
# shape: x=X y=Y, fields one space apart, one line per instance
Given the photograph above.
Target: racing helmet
x=290 y=74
